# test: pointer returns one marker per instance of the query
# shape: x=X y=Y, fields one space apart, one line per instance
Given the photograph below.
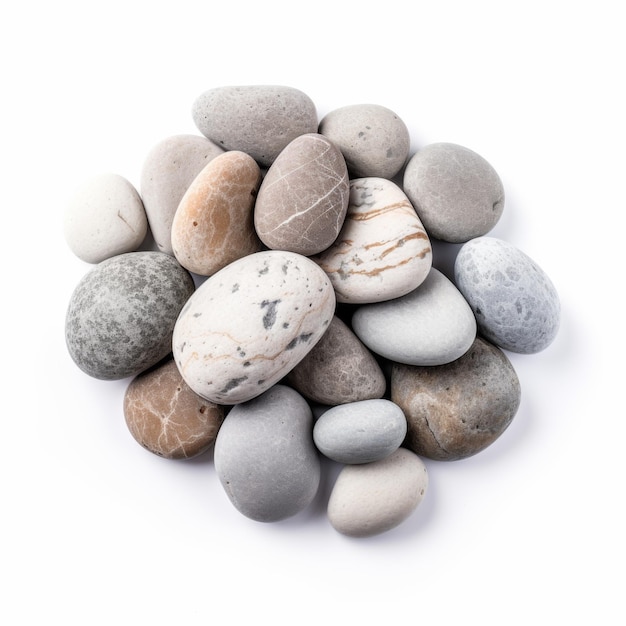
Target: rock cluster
x=290 y=312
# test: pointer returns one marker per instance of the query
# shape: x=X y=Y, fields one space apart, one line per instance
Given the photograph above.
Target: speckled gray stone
x=515 y=303
x=303 y=199
x=257 y=119
x=373 y=139
x=121 y=315
x=456 y=410
x=338 y=369
x=455 y=191
x=265 y=457
x=431 y=325
x=360 y=432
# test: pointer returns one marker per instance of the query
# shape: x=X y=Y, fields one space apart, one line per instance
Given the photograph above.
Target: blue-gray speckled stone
x=515 y=303
x=360 y=432
x=121 y=316
x=265 y=457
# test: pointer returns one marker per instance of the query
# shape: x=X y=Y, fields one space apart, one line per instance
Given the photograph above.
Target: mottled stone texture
x=515 y=303
x=456 y=192
x=168 y=170
x=338 y=369
x=454 y=411
x=257 y=119
x=373 y=139
x=121 y=316
x=166 y=417
x=303 y=200
x=214 y=223
x=265 y=457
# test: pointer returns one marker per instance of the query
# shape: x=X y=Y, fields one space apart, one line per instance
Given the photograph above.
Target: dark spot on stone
x=195 y=223
x=247 y=364
x=265 y=270
x=389 y=153
x=202 y=409
x=361 y=134
x=285 y=267
x=232 y=383
x=260 y=382
x=285 y=324
x=269 y=319
x=235 y=288
x=292 y=344
x=197 y=314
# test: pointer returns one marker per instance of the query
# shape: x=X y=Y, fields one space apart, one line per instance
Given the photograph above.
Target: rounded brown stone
x=339 y=369
x=166 y=417
x=458 y=409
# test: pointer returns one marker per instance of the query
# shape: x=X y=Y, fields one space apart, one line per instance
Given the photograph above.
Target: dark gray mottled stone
x=360 y=432
x=265 y=457
x=456 y=410
x=121 y=316
x=456 y=192
x=257 y=119
x=515 y=303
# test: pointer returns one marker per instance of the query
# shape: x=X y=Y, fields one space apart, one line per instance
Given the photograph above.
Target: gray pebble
x=515 y=303
x=121 y=316
x=265 y=457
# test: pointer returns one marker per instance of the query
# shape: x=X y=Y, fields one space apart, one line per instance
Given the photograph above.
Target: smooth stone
x=250 y=323
x=104 y=217
x=373 y=139
x=432 y=325
x=360 y=432
x=166 y=417
x=303 y=200
x=382 y=251
x=373 y=498
x=338 y=369
x=456 y=410
x=455 y=191
x=257 y=119
x=121 y=315
x=265 y=458
x=516 y=305
x=168 y=170
x=214 y=223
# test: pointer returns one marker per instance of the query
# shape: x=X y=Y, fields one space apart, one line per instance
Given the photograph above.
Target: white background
x=96 y=530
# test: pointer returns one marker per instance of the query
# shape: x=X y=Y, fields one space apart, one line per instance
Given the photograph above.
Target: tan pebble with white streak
x=382 y=251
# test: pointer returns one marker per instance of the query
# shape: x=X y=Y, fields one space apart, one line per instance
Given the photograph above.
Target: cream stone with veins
x=382 y=251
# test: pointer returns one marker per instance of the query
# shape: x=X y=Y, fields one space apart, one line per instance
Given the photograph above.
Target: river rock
x=166 y=417
x=456 y=410
x=214 y=223
x=257 y=119
x=104 y=217
x=431 y=325
x=250 y=323
x=168 y=170
x=373 y=498
x=455 y=191
x=338 y=369
x=265 y=457
x=303 y=200
x=121 y=315
x=382 y=251
x=360 y=432
x=515 y=303
x=373 y=139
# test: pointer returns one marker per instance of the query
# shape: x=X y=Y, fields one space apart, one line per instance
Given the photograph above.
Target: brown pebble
x=166 y=417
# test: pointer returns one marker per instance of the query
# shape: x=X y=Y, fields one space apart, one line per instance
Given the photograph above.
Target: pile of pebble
x=289 y=308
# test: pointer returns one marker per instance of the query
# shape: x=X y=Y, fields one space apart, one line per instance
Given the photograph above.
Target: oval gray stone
x=265 y=457
x=303 y=199
x=121 y=315
x=257 y=119
x=456 y=410
x=515 y=303
x=360 y=432
x=431 y=325
x=455 y=191
x=168 y=170
x=373 y=139
x=338 y=369
x=373 y=498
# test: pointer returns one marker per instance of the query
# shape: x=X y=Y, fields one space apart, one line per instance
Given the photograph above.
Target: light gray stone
x=265 y=457
x=360 y=432
x=431 y=325
x=455 y=191
x=516 y=305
